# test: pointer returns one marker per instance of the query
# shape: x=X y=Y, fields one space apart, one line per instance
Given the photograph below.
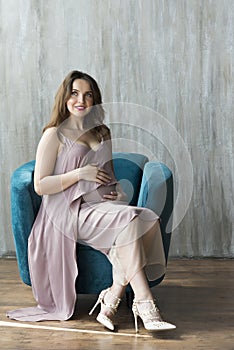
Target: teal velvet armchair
x=148 y=184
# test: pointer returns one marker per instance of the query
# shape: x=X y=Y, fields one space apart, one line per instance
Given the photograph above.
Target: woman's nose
x=81 y=98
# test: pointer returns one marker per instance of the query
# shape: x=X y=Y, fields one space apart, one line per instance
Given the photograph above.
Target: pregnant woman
x=83 y=202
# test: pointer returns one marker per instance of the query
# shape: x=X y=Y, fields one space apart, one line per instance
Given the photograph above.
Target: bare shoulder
x=50 y=139
x=51 y=133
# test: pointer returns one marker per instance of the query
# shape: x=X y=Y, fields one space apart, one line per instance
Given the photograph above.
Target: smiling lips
x=80 y=108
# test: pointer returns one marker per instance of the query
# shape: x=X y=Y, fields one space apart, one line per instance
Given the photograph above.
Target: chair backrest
x=128 y=171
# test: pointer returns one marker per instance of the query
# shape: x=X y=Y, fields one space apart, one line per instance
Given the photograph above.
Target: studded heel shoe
x=150 y=317
x=110 y=307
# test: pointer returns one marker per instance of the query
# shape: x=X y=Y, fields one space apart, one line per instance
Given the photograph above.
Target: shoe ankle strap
x=113 y=305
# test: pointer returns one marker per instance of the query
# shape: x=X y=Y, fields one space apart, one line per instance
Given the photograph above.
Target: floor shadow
x=190 y=308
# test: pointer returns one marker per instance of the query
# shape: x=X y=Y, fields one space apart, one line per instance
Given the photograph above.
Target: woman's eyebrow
x=79 y=90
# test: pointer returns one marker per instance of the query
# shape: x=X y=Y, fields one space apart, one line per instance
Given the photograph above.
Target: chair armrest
x=156 y=193
x=25 y=204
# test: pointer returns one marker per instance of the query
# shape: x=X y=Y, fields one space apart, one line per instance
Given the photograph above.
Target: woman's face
x=81 y=99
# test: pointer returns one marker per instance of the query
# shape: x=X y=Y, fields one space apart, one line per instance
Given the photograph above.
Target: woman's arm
x=44 y=180
x=47 y=183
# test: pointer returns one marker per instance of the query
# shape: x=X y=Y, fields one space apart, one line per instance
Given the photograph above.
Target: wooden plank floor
x=196 y=295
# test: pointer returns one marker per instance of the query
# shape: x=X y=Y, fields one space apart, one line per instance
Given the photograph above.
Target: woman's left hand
x=119 y=195
x=113 y=196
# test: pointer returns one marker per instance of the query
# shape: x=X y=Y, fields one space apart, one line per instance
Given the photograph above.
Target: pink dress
x=129 y=236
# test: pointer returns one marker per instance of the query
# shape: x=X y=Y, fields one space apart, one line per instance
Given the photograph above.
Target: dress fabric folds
x=129 y=236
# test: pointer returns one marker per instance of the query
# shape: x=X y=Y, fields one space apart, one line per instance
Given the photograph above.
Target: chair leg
x=129 y=299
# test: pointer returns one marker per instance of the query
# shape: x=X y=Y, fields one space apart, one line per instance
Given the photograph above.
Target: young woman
x=83 y=202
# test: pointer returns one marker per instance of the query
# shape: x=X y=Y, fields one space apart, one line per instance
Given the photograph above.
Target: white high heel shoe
x=151 y=318
x=101 y=318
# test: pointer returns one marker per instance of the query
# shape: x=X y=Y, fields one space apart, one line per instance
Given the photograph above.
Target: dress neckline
x=74 y=142
x=89 y=148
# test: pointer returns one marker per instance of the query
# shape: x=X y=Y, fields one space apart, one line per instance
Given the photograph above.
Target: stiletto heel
x=151 y=317
x=135 y=318
x=98 y=302
x=101 y=318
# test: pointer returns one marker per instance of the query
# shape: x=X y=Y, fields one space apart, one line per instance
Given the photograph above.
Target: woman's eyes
x=88 y=94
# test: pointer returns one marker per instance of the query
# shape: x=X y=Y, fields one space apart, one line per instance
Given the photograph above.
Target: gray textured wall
x=174 y=57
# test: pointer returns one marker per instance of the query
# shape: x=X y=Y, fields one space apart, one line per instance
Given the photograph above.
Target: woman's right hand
x=92 y=172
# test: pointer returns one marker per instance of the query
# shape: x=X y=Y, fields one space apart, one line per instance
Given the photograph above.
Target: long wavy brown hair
x=60 y=112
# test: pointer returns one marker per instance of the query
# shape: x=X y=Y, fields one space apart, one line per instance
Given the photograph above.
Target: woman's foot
x=150 y=316
x=109 y=305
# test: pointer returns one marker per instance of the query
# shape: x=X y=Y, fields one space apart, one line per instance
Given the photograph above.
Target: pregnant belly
x=97 y=195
